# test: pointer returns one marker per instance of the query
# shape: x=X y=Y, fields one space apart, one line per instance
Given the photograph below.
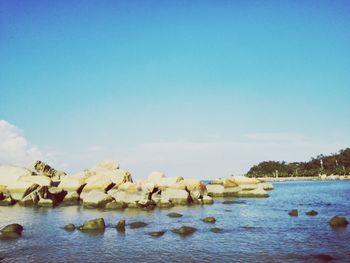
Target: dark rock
x=137 y=224
x=46 y=170
x=11 y=231
x=184 y=231
x=120 y=226
x=215 y=229
x=173 y=214
x=69 y=227
x=95 y=224
x=156 y=233
x=324 y=257
x=228 y=202
x=312 y=213
x=293 y=212
x=338 y=221
x=209 y=219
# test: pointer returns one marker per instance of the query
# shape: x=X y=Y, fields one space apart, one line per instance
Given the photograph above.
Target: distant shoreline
x=303 y=178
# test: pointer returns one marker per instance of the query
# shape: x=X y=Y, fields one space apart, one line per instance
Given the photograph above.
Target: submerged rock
x=293 y=212
x=94 y=224
x=207 y=200
x=156 y=233
x=69 y=227
x=115 y=205
x=338 y=221
x=184 y=230
x=137 y=224
x=173 y=214
x=228 y=202
x=324 y=257
x=215 y=229
x=120 y=226
x=312 y=213
x=209 y=219
x=11 y=231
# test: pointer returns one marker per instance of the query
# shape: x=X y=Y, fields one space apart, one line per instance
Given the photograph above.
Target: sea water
x=253 y=230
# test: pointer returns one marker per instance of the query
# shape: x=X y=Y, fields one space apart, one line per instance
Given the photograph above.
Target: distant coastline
x=305 y=178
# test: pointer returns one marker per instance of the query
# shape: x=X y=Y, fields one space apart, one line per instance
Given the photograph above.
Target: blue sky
x=196 y=88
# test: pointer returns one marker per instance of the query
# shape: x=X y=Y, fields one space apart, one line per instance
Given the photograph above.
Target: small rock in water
x=209 y=219
x=137 y=224
x=215 y=229
x=95 y=224
x=120 y=226
x=312 y=213
x=69 y=227
x=228 y=202
x=293 y=212
x=156 y=233
x=184 y=230
x=11 y=231
x=338 y=221
x=174 y=215
x=324 y=257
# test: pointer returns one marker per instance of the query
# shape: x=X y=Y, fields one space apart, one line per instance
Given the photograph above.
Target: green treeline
x=338 y=163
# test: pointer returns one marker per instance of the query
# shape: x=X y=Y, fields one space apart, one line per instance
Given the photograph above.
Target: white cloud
x=14 y=147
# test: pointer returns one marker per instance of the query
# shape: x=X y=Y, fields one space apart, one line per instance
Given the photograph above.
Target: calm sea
x=254 y=230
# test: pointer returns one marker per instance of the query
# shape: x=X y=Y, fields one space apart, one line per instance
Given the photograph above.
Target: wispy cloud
x=14 y=147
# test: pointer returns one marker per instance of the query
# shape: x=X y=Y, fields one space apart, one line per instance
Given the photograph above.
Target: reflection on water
x=253 y=230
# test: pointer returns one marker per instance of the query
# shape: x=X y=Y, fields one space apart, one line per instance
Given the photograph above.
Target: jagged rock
x=106 y=165
x=215 y=229
x=176 y=197
x=156 y=233
x=7 y=201
x=30 y=200
x=209 y=219
x=20 y=190
x=338 y=221
x=173 y=214
x=96 y=199
x=10 y=174
x=56 y=194
x=146 y=204
x=184 y=230
x=94 y=224
x=46 y=170
x=293 y=212
x=11 y=231
x=120 y=226
x=259 y=192
x=137 y=224
x=70 y=227
x=312 y=213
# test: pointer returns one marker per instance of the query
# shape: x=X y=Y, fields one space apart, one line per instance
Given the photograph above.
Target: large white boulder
x=36 y=179
x=128 y=197
x=258 y=192
x=215 y=190
x=155 y=177
x=97 y=182
x=10 y=174
x=72 y=183
x=95 y=199
x=176 y=196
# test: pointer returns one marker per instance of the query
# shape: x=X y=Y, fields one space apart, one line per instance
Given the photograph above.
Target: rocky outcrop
x=120 y=226
x=222 y=188
x=19 y=190
x=338 y=222
x=293 y=212
x=258 y=192
x=184 y=231
x=11 y=231
x=46 y=170
x=209 y=219
x=267 y=186
x=93 y=225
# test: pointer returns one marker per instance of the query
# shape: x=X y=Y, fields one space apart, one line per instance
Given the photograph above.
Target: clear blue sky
x=116 y=75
